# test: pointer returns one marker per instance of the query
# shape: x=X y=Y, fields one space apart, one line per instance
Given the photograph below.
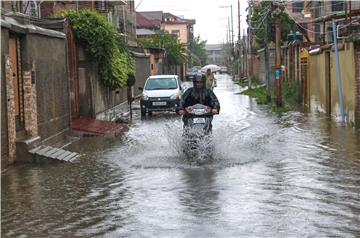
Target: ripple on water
x=286 y=176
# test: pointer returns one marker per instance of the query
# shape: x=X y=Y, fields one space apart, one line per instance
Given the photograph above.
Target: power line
x=299 y=24
x=285 y=4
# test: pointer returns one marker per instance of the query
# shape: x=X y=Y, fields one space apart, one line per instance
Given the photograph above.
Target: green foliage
x=258 y=21
x=198 y=51
x=102 y=41
x=259 y=93
x=290 y=95
x=176 y=52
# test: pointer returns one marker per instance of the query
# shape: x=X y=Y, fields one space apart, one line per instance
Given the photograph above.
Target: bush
x=102 y=41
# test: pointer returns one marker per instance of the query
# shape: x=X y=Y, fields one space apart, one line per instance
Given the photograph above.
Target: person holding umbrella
x=210 y=80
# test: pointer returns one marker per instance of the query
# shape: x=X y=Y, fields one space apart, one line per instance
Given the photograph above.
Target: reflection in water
x=199 y=195
x=293 y=175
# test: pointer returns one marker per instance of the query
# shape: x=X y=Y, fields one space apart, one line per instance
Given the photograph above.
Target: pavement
x=92 y=127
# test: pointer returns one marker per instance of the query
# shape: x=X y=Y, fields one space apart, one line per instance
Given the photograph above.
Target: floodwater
x=295 y=175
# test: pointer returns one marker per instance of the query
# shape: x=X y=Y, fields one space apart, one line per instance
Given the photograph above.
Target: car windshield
x=161 y=84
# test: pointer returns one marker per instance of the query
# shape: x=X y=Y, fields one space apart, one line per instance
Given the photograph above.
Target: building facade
x=34 y=93
x=216 y=54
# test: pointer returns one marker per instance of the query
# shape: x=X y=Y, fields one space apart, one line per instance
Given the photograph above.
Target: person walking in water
x=210 y=80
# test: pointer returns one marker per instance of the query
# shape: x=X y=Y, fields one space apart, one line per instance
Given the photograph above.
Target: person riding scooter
x=198 y=94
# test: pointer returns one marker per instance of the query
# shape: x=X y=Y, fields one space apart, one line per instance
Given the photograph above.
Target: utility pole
x=229 y=47
x=227 y=34
x=232 y=28
x=229 y=27
x=239 y=21
x=238 y=42
x=245 y=54
x=338 y=71
x=266 y=52
x=277 y=56
x=250 y=66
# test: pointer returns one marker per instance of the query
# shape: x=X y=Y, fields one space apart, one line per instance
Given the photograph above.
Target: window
x=298 y=5
x=337 y=6
x=176 y=33
x=161 y=84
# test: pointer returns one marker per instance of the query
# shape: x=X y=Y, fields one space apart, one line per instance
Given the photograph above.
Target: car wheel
x=150 y=113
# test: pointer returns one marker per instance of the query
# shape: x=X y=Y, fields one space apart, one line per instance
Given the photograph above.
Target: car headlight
x=175 y=96
x=144 y=97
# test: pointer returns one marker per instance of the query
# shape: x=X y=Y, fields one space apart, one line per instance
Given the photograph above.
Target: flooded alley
x=294 y=175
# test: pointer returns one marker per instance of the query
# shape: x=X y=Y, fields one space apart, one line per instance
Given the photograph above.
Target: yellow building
x=183 y=29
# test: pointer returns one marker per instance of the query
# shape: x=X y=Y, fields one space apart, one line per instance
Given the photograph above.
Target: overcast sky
x=211 y=20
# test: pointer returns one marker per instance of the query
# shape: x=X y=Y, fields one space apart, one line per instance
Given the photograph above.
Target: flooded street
x=291 y=176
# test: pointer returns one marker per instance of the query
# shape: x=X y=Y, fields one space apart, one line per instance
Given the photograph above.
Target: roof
x=143 y=22
x=144 y=32
x=153 y=15
x=214 y=47
x=14 y=25
x=172 y=19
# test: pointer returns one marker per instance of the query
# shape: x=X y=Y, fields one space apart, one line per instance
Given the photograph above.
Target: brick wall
x=10 y=97
x=30 y=106
x=357 y=80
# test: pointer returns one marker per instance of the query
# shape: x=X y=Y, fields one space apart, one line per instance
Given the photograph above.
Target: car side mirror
x=140 y=88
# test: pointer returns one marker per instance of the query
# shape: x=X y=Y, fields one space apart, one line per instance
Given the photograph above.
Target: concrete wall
x=53 y=106
x=142 y=73
x=318 y=89
x=317 y=83
x=4 y=134
x=260 y=70
x=94 y=97
x=357 y=78
x=96 y=100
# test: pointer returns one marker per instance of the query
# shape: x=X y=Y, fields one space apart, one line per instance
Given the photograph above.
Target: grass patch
x=241 y=83
x=245 y=83
x=290 y=94
x=258 y=93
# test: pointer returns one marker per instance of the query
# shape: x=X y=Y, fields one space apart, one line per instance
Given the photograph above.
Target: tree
x=176 y=52
x=264 y=10
x=198 y=51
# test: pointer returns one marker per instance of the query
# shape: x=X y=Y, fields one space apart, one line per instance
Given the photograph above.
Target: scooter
x=197 y=132
x=198 y=120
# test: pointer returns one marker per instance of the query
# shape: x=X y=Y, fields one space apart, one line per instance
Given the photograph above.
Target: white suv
x=160 y=93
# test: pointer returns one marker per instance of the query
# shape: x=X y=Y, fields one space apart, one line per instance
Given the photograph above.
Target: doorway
x=15 y=58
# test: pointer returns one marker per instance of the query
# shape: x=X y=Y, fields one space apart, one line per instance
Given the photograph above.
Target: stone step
x=62 y=156
x=33 y=151
x=54 y=153
x=70 y=157
x=44 y=150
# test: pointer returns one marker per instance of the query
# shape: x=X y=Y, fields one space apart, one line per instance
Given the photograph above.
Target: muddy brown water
x=293 y=175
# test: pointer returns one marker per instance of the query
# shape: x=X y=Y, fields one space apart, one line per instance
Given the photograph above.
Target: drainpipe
x=342 y=114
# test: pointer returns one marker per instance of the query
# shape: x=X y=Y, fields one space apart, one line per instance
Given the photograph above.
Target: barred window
x=337 y=6
x=298 y=5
